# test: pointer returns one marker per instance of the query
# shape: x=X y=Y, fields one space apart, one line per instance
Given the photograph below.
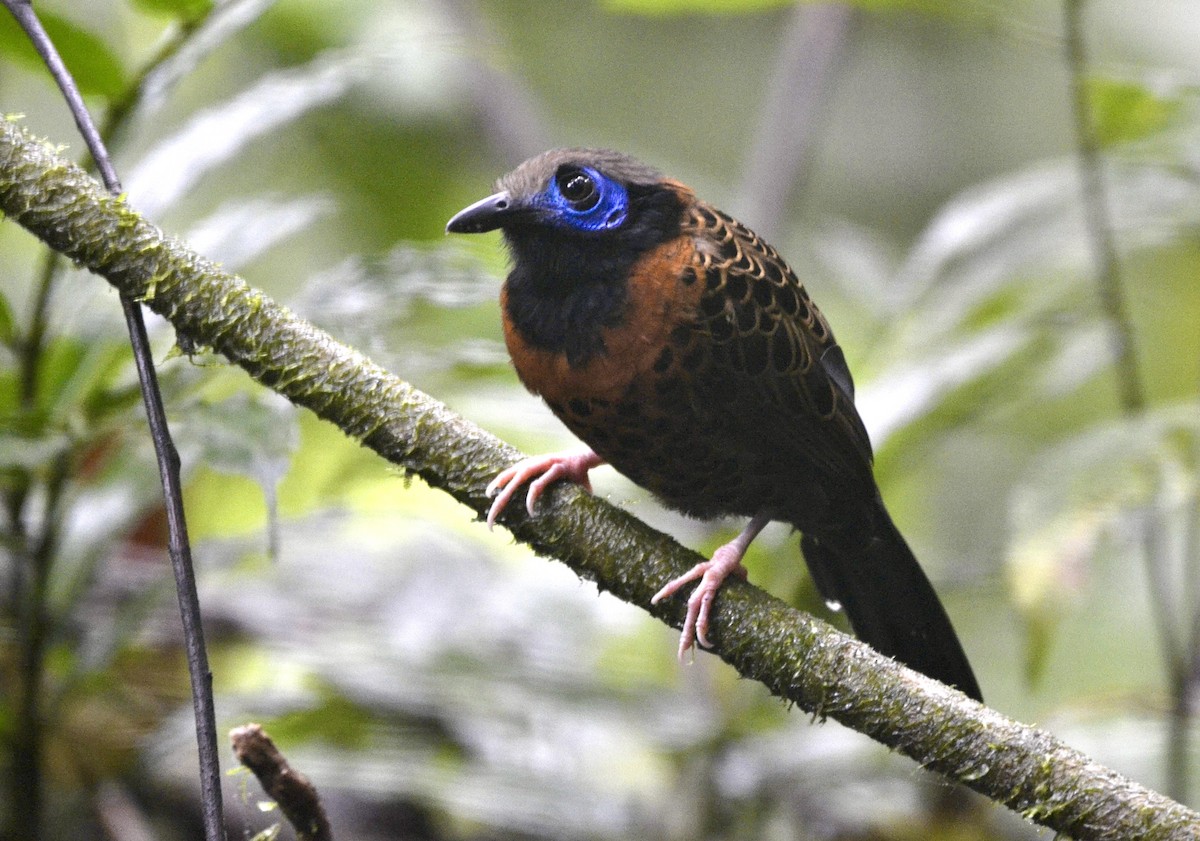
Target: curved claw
x=725 y=562
x=539 y=472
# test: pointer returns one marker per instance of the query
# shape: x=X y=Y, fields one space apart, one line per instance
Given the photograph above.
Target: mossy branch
x=798 y=657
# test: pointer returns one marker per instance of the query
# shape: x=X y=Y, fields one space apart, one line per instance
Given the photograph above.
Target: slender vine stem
x=810 y=56
x=1181 y=649
x=34 y=632
x=1098 y=216
x=28 y=747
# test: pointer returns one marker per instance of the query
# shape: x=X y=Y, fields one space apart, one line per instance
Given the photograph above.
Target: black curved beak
x=485 y=215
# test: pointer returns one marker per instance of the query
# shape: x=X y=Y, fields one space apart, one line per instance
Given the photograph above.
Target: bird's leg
x=572 y=465
x=725 y=561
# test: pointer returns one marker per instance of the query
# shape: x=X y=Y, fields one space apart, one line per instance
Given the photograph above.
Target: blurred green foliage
x=1124 y=111
x=181 y=9
x=96 y=67
x=438 y=682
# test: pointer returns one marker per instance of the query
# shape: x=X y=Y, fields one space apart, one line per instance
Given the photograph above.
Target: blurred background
x=917 y=161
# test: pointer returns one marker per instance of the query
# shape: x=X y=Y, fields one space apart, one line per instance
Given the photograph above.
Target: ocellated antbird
x=684 y=351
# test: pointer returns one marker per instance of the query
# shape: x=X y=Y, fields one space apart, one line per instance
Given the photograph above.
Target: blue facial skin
x=607 y=213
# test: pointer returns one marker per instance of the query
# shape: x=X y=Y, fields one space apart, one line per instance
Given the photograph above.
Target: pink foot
x=544 y=471
x=725 y=562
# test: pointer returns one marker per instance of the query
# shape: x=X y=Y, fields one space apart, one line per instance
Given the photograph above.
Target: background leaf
x=97 y=70
x=1124 y=111
x=186 y=9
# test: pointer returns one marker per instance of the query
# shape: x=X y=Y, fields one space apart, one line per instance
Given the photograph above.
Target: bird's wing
x=768 y=336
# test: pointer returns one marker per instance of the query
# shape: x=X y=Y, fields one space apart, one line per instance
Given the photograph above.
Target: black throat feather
x=566 y=286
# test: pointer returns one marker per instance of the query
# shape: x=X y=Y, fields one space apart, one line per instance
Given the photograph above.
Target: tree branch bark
x=798 y=657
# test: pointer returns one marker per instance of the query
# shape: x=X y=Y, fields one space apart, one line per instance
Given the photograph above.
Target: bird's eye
x=584 y=199
x=578 y=188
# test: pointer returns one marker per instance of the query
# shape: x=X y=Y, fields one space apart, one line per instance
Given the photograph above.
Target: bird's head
x=583 y=194
x=576 y=221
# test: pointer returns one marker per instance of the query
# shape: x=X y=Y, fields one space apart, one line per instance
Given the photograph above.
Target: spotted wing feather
x=766 y=333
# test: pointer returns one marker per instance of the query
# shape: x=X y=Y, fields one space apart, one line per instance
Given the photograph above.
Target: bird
x=683 y=351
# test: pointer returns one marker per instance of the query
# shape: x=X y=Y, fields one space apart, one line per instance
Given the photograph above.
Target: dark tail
x=888 y=599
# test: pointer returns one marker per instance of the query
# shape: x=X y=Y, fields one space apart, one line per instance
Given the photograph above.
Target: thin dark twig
x=1182 y=659
x=295 y=794
x=810 y=54
x=1157 y=553
x=1191 y=549
x=23 y=11
x=168 y=457
x=34 y=627
x=30 y=347
x=120 y=108
x=116 y=116
x=508 y=112
x=1098 y=219
x=179 y=548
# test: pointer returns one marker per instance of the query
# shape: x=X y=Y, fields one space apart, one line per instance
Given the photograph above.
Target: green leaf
x=186 y=9
x=1124 y=111
x=1088 y=491
x=250 y=435
x=96 y=69
x=268 y=834
x=1047 y=570
x=74 y=377
x=205 y=143
x=687 y=7
x=335 y=720
x=8 y=331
